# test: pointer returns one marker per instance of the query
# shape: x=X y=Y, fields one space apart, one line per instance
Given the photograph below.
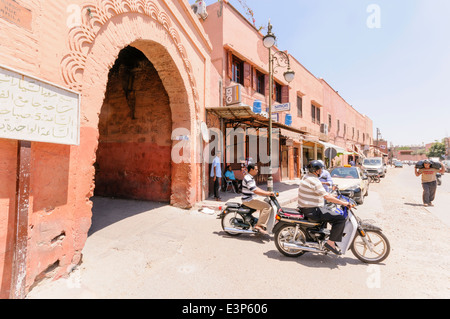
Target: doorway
x=133 y=159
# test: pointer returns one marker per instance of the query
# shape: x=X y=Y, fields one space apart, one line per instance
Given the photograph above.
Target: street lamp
x=276 y=60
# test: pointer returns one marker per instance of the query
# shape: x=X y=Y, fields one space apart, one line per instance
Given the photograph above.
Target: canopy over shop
x=241 y=127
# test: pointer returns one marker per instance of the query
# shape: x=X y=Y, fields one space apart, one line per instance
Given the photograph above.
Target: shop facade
x=314 y=116
x=141 y=72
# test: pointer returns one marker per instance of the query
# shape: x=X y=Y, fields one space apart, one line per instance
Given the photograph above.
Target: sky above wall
x=389 y=59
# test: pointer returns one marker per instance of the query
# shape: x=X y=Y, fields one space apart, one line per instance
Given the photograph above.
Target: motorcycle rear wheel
x=232 y=220
x=380 y=246
x=286 y=234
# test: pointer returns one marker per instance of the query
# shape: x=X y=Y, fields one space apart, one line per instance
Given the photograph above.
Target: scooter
x=294 y=235
x=374 y=177
x=237 y=219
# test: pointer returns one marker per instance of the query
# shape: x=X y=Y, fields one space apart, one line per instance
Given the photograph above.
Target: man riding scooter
x=311 y=199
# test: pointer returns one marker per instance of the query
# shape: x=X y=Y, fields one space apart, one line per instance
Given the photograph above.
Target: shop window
x=237 y=70
x=278 y=93
x=299 y=106
x=315 y=114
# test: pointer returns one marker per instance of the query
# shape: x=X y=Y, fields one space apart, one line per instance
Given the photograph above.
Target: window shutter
x=247 y=74
x=254 y=79
x=230 y=64
x=285 y=94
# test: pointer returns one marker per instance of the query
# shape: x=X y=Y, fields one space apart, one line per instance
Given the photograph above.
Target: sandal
x=334 y=250
x=261 y=230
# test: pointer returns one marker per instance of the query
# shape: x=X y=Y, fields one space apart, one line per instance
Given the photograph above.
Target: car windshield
x=345 y=172
x=372 y=161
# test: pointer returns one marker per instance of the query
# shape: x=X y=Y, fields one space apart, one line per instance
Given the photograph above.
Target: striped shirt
x=248 y=186
x=311 y=192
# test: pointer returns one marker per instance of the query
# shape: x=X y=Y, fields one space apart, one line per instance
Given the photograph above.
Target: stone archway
x=149 y=30
x=134 y=153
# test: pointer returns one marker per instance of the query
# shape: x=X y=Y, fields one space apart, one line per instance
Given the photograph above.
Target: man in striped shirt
x=311 y=199
x=249 y=190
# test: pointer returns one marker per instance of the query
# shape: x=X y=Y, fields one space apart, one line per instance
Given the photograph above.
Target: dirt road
x=163 y=252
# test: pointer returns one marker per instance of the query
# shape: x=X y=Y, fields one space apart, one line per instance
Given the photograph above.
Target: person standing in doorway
x=216 y=174
x=429 y=184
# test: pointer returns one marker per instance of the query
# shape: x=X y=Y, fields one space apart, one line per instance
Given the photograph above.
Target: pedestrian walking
x=429 y=184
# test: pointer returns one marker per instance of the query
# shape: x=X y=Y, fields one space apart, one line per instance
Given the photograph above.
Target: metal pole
x=270 y=178
x=19 y=271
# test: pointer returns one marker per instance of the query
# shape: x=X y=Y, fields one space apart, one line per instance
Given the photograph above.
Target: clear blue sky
x=397 y=74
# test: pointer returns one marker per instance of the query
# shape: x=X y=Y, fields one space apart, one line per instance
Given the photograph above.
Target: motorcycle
x=439 y=178
x=294 y=235
x=237 y=219
x=374 y=177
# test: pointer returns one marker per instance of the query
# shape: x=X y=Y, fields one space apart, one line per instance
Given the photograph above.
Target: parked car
x=352 y=182
x=374 y=165
x=398 y=164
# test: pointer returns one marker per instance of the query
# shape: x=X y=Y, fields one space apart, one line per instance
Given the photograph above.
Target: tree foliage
x=437 y=149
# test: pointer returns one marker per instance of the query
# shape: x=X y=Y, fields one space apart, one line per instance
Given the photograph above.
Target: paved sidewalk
x=287 y=195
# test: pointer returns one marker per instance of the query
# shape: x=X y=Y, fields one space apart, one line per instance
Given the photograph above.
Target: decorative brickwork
x=98 y=13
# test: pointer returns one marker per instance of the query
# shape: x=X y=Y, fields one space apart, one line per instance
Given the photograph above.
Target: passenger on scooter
x=311 y=199
x=249 y=190
x=326 y=179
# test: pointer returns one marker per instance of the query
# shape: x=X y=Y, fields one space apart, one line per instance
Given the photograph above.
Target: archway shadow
x=107 y=211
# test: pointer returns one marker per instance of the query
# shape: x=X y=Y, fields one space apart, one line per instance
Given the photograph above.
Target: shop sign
x=233 y=95
x=281 y=107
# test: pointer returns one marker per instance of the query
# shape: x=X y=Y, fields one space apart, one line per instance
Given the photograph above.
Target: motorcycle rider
x=311 y=200
x=249 y=190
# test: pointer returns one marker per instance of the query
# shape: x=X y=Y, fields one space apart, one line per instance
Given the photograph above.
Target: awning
x=360 y=153
x=244 y=114
x=337 y=148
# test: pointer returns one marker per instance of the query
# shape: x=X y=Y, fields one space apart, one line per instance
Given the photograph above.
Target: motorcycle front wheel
x=286 y=234
x=374 y=249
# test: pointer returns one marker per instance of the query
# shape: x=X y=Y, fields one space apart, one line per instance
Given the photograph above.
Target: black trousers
x=429 y=192
x=216 y=187
x=323 y=214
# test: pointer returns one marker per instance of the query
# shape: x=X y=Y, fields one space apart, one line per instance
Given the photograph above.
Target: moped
x=294 y=235
x=237 y=219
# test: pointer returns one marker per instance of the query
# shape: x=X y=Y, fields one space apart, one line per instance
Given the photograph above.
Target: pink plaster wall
x=60 y=211
x=222 y=31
